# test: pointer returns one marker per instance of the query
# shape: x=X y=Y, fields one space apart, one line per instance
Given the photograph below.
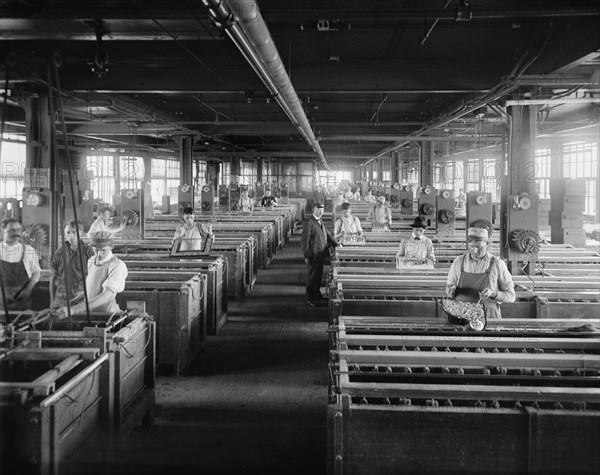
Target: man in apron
x=478 y=275
x=66 y=266
x=20 y=268
x=105 y=279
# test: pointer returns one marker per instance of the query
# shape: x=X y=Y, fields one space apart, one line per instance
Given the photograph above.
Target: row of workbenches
x=409 y=392
x=63 y=381
x=189 y=297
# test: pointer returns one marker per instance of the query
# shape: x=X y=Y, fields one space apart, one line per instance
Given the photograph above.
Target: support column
x=43 y=176
x=395 y=175
x=186 y=166
x=260 y=169
x=426 y=164
x=235 y=170
x=520 y=179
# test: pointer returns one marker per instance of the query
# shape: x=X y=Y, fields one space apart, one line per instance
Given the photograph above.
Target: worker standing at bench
x=380 y=216
x=369 y=198
x=20 y=268
x=347 y=226
x=268 y=201
x=245 y=204
x=417 y=246
x=193 y=236
x=101 y=223
x=66 y=266
x=316 y=241
x=479 y=275
x=105 y=279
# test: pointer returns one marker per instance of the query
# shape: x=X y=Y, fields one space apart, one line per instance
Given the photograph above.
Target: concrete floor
x=255 y=399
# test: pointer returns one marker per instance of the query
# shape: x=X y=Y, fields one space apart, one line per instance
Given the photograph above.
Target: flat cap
x=478 y=233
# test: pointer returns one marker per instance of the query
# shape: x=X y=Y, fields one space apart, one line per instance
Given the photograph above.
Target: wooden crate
x=48 y=422
x=179 y=309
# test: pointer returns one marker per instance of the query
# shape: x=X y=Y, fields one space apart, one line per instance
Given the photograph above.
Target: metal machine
x=402 y=198
x=520 y=235
x=37 y=215
x=445 y=218
x=259 y=189
x=234 y=196
x=426 y=207
x=132 y=214
x=185 y=196
x=285 y=192
x=207 y=196
x=224 y=198
x=479 y=210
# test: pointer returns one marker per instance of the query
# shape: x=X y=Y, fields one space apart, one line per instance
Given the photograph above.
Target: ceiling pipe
x=243 y=23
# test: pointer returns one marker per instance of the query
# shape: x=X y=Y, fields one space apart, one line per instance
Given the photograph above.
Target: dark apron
x=471 y=283
x=15 y=279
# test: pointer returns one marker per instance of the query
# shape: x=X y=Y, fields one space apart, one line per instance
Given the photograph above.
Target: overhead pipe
x=243 y=23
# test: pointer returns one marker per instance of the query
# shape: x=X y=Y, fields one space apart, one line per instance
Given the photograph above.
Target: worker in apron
x=479 y=276
x=19 y=267
x=105 y=279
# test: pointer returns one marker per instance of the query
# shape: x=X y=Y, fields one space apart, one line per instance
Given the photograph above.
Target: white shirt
x=417 y=249
x=117 y=273
x=370 y=199
x=349 y=225
x=96 y=227
x=14 y=252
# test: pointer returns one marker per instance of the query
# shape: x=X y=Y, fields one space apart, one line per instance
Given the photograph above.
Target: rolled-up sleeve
x=506 y=286
x=453 y=277
x=32 y=263
x=430 y=251
x=117 y=274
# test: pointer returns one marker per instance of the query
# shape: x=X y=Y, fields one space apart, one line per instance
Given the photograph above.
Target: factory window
x=225 y=175
x=165 y=179
x=131 y=172
x=12 y=166
x=387 y=175
x=375 y=174
x=247 y=173
x=543 y=161
x=473 y=175
x=200 y=173
x=580 y=160
x=100 y=170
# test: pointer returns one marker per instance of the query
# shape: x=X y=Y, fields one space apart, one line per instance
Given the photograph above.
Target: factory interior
x=330 y=237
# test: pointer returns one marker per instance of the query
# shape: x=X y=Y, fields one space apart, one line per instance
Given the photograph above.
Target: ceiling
x=371 y=76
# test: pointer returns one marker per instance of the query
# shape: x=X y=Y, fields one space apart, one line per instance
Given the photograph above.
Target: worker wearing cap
x=105 y=279
x=417 y=246
x=479 y=275
x=67 y=262
x=316 y=241
x=20 y=268
x=380 y=215
x=193 y=236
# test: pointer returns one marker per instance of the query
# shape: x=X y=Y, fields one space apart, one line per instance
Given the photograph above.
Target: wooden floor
x=255 y=400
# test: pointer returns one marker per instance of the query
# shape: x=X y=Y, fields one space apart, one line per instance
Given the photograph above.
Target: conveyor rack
x=523 y=397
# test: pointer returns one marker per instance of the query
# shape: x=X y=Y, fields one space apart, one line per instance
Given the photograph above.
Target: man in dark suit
x=316 y=240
